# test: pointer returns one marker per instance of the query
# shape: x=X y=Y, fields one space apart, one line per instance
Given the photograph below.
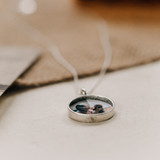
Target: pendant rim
x=91 y=118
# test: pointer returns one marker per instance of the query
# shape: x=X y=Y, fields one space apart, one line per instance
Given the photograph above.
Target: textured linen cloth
x=134 y=35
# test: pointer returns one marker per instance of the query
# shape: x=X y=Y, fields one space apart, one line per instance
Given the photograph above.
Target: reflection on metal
x=3 y=87
x=27 y=6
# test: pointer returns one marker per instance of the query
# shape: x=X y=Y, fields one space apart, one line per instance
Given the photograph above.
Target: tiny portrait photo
x=91 y=107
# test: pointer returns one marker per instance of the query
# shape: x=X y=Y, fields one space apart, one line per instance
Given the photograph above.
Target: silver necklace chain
x=44 y=41
x=104 y=39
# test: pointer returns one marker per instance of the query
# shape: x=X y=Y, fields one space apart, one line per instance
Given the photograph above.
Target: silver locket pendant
x=91 y=108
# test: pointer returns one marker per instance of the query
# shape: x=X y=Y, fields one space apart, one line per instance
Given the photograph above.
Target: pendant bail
x=83 y=92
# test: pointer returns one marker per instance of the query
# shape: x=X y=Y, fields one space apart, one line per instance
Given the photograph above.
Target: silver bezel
x=91 y=118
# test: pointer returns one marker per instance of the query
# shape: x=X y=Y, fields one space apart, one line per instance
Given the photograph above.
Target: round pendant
x=90 y=108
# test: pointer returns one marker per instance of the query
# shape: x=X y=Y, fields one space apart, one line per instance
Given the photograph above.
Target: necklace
x=92 y=108
x=87 y=107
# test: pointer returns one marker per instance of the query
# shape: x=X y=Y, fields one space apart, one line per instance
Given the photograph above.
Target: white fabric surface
x=34 y=123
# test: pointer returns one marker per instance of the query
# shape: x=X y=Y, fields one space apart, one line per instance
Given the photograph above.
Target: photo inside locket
x=91 y=106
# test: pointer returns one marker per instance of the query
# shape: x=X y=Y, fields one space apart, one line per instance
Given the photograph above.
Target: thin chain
x=104 y=38
x=44 y=41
